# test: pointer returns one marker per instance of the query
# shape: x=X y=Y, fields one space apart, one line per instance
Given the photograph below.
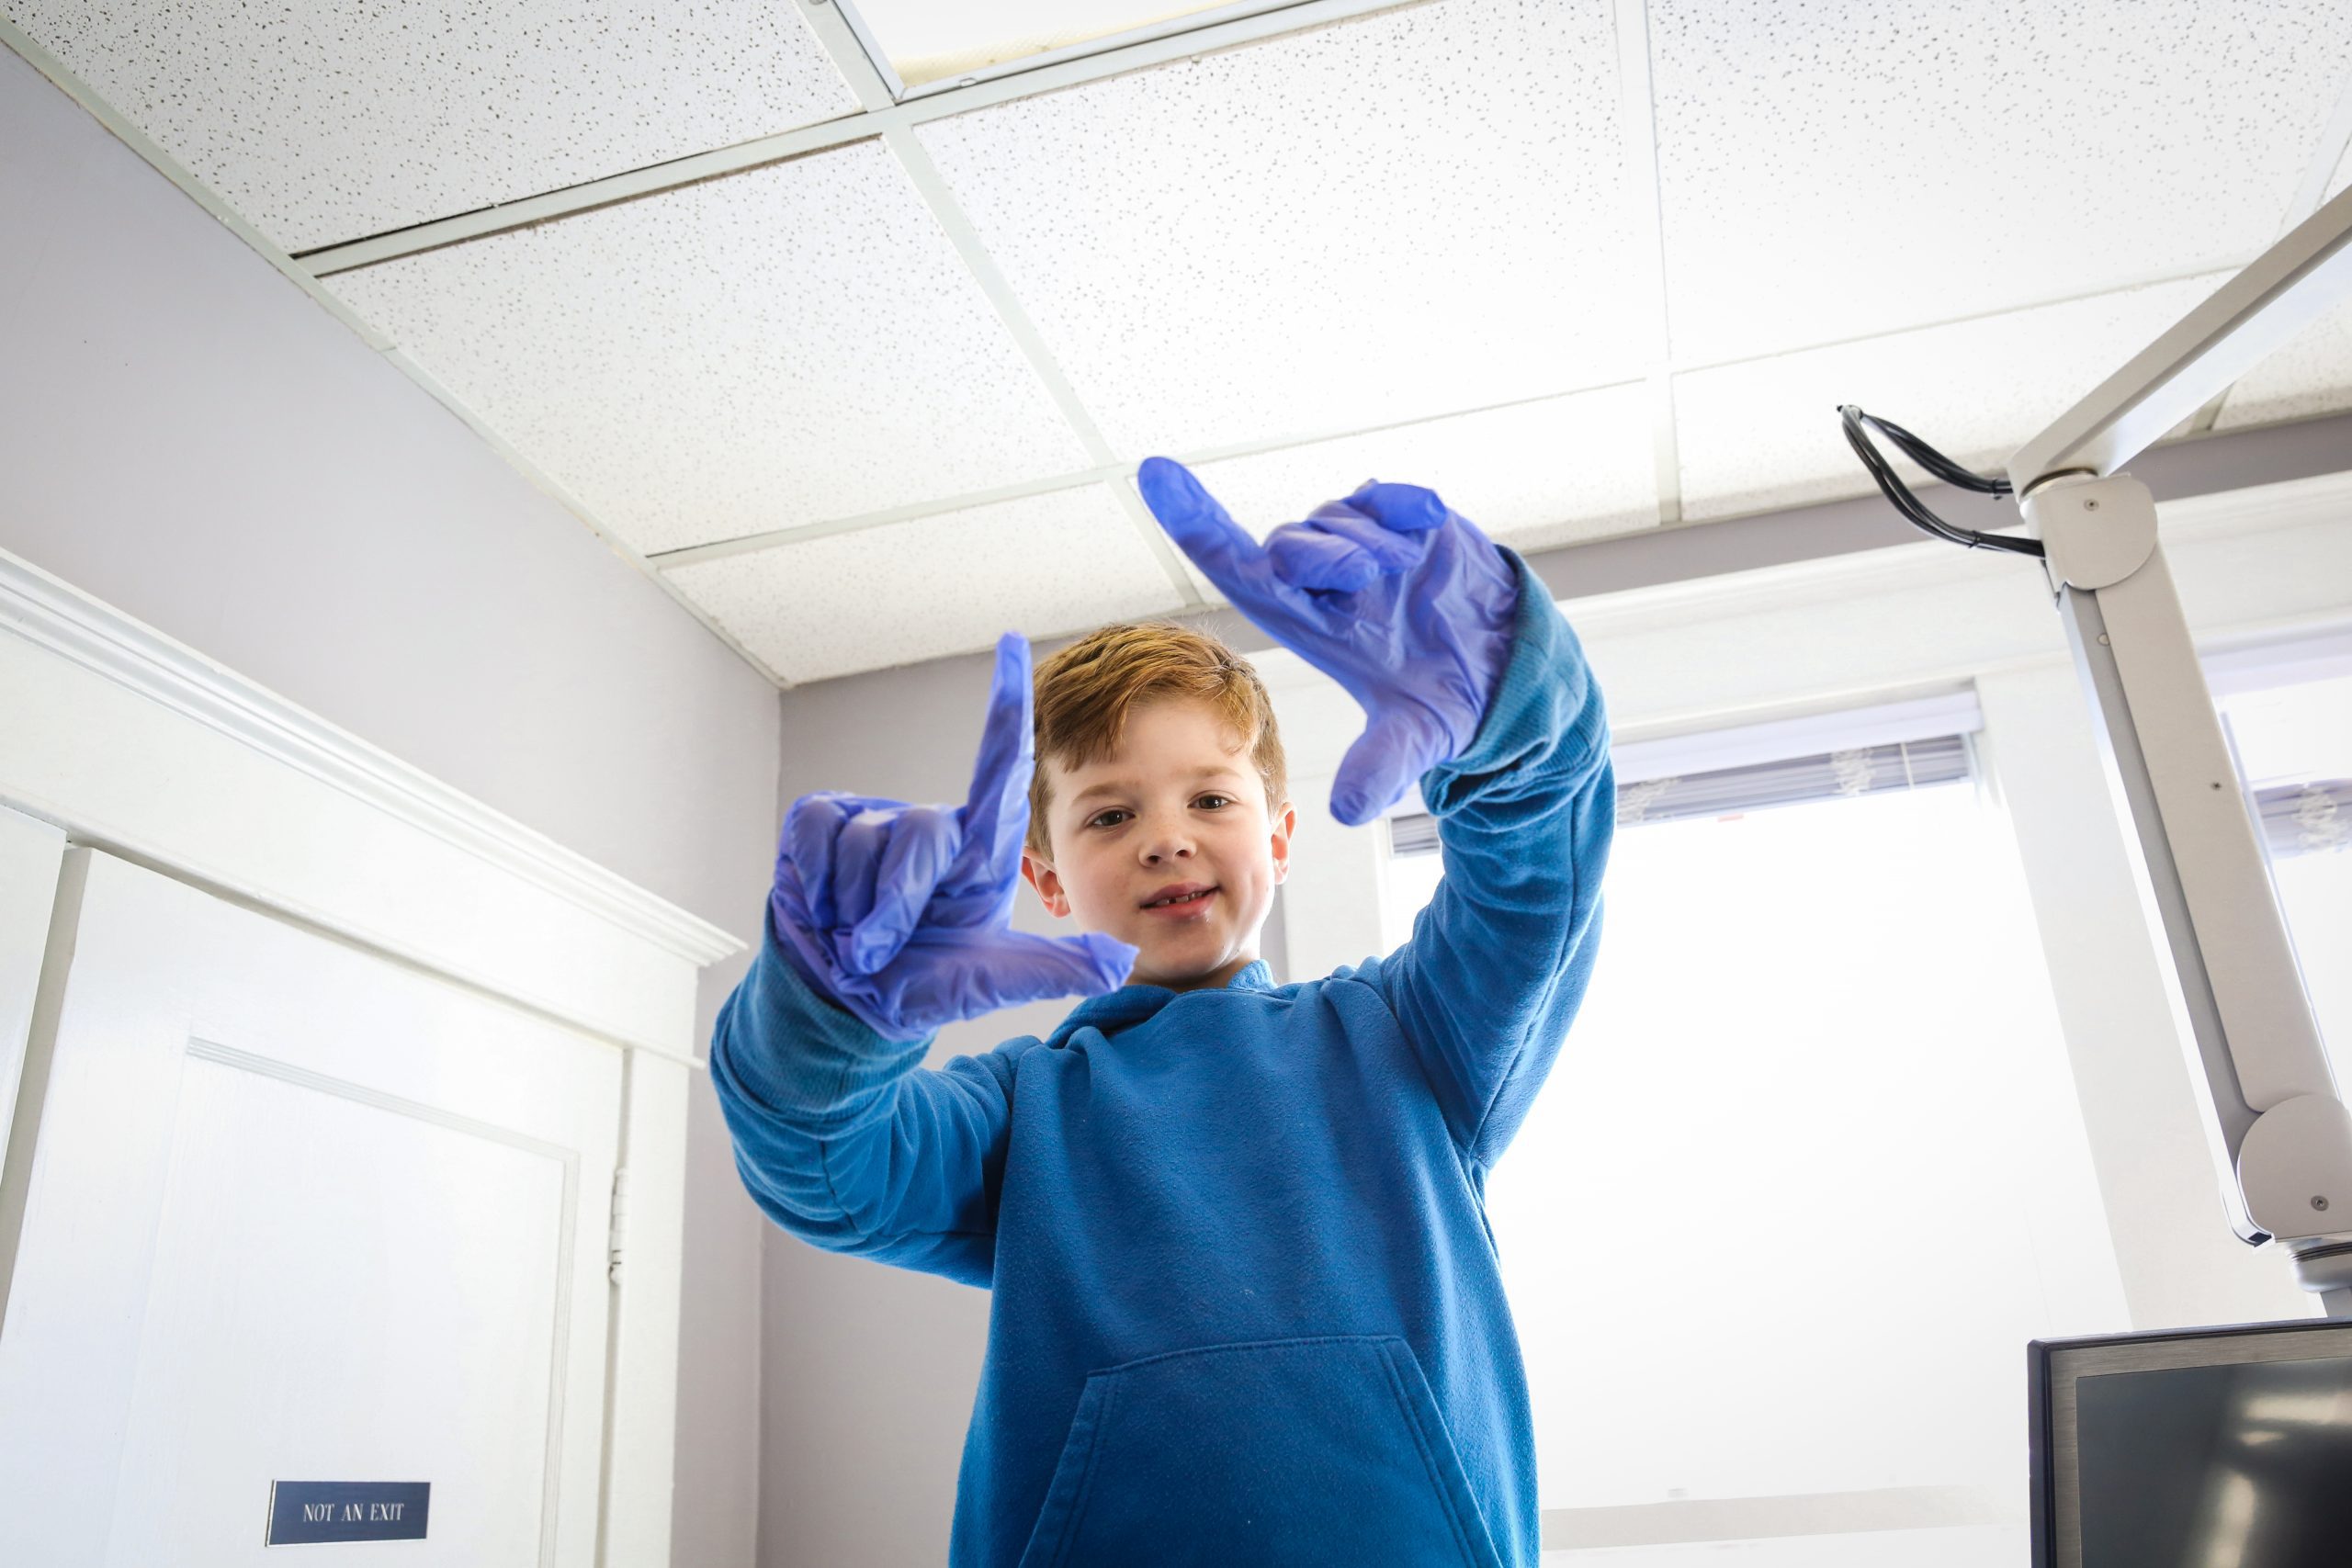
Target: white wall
x=187 y=435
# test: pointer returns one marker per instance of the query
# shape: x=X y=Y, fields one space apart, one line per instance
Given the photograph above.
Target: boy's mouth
x=1183 y=899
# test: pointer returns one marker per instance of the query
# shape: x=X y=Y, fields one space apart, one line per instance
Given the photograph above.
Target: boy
x=1245 y=1309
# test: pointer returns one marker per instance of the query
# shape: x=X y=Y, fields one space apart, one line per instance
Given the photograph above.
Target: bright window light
x=2294 y=747
x=930 y=41
x=1807 y=1175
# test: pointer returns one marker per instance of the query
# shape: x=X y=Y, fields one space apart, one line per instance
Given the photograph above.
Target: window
x=2293 y=743
x=1809 y=1172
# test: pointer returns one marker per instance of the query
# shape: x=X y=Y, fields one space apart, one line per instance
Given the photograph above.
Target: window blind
x=1755 y=786
x=2312 y=817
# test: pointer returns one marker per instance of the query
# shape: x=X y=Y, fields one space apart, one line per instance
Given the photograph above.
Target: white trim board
x=136 y=743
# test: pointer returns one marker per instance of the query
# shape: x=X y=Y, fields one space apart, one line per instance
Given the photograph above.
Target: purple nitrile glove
x=1400 y=600
x=900 y=912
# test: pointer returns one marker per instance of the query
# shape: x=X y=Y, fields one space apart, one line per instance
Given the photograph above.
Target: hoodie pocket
x=1272 y=1451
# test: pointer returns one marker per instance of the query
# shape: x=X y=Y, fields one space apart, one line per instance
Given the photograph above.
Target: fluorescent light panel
x=938 y=41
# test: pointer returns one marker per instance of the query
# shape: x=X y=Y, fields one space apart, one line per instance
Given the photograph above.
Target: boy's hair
x=1084 y=693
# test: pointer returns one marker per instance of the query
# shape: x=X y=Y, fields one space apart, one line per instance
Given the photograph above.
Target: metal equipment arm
x=2273 y=1111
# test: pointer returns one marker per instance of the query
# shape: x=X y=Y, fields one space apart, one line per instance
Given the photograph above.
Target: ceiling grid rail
x=873 y=83
x=885 y=112
x=689 y=555
x=1639 y=101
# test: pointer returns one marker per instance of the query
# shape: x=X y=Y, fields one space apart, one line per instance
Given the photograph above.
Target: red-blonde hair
x=1084 y=693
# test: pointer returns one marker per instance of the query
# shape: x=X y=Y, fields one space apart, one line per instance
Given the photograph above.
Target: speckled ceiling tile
x=1833 y=169
x=2311 y=374
x=1765 y=434
x=1064 y=561
x=1532 y=476
x=321 y=123
x=1413 y=213
x=793 y=345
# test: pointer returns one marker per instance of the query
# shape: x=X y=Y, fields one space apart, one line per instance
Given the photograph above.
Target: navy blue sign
x=303 y=1511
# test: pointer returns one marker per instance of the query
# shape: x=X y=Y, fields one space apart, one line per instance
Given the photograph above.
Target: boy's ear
x=1039 y=873
x=1285 y=823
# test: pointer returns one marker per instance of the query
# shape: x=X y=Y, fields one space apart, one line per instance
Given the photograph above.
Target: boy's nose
x=1167 y=846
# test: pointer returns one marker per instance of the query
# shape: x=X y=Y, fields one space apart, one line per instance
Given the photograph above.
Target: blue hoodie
x=1246 y=1305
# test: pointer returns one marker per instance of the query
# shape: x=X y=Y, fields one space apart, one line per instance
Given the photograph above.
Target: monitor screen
x=2209 y=1449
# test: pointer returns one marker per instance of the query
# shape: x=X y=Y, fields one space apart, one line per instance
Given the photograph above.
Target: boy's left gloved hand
x=1399 y=599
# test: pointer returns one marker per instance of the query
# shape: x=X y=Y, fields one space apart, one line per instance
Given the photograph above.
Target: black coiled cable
x=1937 y=464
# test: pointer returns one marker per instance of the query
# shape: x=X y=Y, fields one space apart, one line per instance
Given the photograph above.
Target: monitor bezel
x=2054 y=1366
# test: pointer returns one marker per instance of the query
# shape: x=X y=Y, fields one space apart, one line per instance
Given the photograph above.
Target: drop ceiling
x=856 y=356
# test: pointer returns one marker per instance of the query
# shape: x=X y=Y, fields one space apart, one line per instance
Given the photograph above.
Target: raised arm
x=847 y=1141
x=1499 y=958
x=1471 y=682
x=886 y=922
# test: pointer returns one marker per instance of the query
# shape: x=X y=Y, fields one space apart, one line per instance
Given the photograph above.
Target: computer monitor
x=2206 y=1447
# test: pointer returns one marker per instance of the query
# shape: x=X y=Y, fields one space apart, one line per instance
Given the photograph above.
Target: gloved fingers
x=1403 y=509
x=1221 y=548
x=1339 y=549
x=1397 y=747
x=1394 y=548
x=857 y=856
x=1307 y=557
x=921 y=843
x=996 y=812
x=809 y=829
x=1202 y=528
x=941 y=977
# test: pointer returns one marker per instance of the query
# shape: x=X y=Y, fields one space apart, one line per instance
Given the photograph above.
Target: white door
x=30 y=852
x=297 y=1213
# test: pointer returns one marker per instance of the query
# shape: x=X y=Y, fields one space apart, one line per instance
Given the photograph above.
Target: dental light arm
x=2278 y=1126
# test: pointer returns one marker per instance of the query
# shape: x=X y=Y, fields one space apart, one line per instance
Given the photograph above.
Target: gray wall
x=189 y=437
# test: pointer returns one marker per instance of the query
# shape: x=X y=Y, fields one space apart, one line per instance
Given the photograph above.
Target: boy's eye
x=1115 y=815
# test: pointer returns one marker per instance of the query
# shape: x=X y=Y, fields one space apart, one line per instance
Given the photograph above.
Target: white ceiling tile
x=1531 y=476
x=1404 y=215
x=1064 y=562
x=1766 y=434
x=1850 y=167
x=319 y=123
x=793 y=345
x=2311 y=374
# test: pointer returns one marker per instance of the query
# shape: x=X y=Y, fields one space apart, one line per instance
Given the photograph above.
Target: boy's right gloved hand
x=900 y=912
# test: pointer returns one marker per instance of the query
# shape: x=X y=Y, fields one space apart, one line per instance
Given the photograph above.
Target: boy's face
x=1178 y=808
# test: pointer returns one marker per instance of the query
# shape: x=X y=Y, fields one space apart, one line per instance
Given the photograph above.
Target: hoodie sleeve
x=1497 y=962
x=846 y=1140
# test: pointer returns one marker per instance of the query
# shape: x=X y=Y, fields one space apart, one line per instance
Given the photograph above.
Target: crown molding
x=45 y=610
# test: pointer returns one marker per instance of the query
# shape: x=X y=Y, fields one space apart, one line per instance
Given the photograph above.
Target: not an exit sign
x=305 y=1511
